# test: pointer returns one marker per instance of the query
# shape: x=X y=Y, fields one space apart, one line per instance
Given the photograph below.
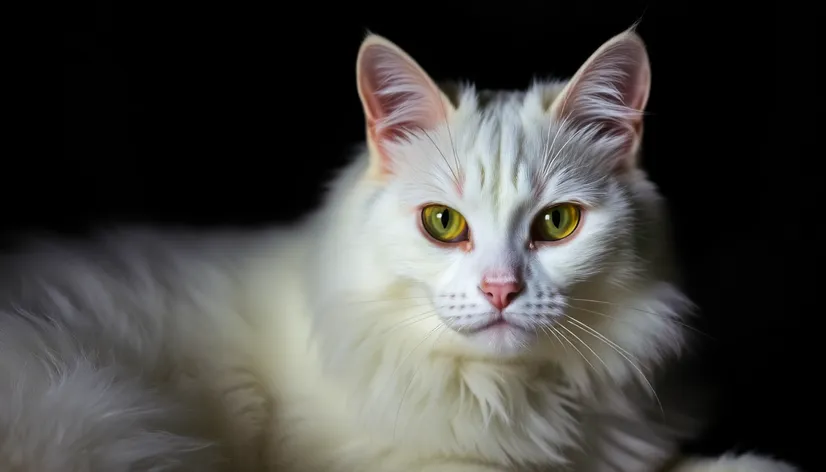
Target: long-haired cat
x=487 y=288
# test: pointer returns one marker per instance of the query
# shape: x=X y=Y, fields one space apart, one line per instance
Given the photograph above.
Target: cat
x=487 y=287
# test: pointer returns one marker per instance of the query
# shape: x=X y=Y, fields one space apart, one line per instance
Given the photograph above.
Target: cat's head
x=505 y=207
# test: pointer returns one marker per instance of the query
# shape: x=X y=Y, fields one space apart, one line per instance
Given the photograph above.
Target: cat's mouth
x=499 y=335
x=496 y=324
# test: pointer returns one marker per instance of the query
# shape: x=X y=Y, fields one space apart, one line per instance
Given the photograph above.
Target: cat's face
x=503 y=209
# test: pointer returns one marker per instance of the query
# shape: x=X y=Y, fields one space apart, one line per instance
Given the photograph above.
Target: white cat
x=487 y=288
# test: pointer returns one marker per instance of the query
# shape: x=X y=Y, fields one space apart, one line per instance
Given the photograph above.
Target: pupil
x=444 y=217
x=556 y=218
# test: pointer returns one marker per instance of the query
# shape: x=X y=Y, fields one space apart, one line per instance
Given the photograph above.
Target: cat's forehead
x=498 y=151
x=505 y=132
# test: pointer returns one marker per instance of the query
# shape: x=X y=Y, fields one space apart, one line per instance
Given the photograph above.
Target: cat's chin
x=502 y=339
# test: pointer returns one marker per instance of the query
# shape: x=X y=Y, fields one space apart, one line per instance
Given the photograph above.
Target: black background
x=234 y=114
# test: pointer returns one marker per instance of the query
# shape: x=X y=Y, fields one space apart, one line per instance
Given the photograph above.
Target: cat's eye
x=444 y=224
x=556 y=223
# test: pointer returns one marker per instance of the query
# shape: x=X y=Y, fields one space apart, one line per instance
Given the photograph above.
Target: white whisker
x=627 y=307
x=415 y=372
x=622 y=352
x=586 y=345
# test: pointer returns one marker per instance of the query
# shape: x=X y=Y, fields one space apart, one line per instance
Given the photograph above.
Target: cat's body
x=359 y=339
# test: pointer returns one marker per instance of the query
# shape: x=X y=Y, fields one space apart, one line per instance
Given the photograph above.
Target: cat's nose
x=500 y=295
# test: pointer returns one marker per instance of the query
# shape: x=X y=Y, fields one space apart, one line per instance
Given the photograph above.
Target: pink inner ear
x=611 y=89
x=398 y=96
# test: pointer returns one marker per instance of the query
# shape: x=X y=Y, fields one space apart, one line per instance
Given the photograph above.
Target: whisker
x=453 y=146
x=450 y=138
x=550 y=149
x=559 y=152
x=397 y=307
x=575 y=348
x=600 y=336
x=410 y=321
x=586 y=345
x=547 y=144
x=619 y=351
x=548 y=329
x=407 y=356
x=379 y=300
x=628 y=307
x=455 y=177
x=415 y=373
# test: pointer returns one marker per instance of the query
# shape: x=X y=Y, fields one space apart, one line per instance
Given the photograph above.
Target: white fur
x=734 y=463
x=336 y=345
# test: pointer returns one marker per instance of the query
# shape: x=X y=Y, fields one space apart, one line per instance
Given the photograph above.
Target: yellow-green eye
x=444 y=224
x=556 y=222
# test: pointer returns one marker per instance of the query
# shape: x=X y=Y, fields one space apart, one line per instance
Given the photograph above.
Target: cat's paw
x=734 y=463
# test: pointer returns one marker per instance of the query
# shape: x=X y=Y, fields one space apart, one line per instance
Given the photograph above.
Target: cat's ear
x=397 y=95
x=610 y=92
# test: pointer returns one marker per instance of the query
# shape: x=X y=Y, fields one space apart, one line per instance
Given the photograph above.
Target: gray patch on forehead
x=493 y=101
x=502 y=114
x=501 y=126
x=483 y=100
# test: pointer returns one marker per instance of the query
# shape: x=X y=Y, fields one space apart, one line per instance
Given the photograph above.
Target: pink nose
x=501 y=295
